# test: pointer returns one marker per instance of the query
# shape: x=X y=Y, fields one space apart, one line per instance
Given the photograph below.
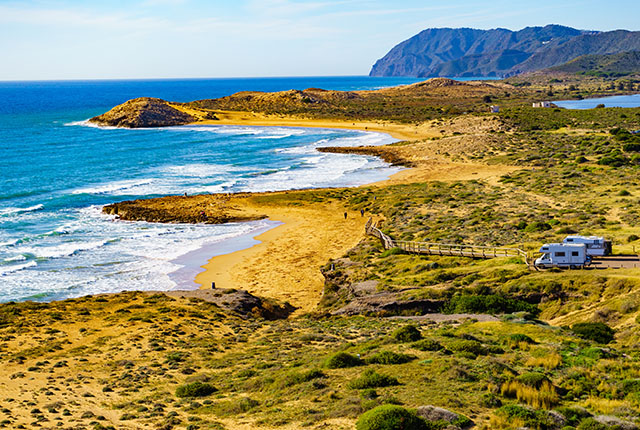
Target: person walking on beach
x=361 y=212
x=345 y=215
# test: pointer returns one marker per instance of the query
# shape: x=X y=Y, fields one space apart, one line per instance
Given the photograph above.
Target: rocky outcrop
x=207 y=209
x=143 y=112
x=385 y=153
x=240 y=302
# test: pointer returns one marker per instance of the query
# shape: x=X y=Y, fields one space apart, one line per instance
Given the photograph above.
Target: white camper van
x=596 y=245
x=563 y=255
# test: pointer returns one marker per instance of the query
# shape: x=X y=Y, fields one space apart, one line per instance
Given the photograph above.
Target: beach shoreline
x=275 y=267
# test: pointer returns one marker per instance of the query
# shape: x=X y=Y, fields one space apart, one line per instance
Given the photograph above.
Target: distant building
x=542 y=104
x=495 y=109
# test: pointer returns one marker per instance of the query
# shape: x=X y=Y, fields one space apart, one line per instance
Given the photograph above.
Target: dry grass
x=606 y=406
x=544 y=358
x=544 y=397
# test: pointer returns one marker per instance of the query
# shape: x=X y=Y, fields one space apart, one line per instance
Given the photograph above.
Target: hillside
x=610 y=65
x=498 y=52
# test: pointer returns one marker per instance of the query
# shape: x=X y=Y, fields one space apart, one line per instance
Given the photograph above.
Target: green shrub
x=371 y=379
x=573 y=415
x=390 y=417
x=632 y=238
x=341 y=360
x=595 y=331
x=532 y=379
x=195 y=389
x=519 y=337
x=392 y=251
x=631 y=385
x=532 y=418
x=407 y=333
x=487 y=304
x=591 y=424
x=427 y=345
x=300 y=377
x=389 y=357
x=469 y=346
x=536 y=226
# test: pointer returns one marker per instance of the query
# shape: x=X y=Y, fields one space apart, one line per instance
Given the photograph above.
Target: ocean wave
x=201 y=170
x=4 y=270
x=87 y=123
x=65 y=249
x=19 y=257
x=112 y=187
x=11 y=211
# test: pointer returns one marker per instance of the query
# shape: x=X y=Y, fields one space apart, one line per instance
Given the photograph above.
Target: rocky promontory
x=143 y=112
x=204 y=208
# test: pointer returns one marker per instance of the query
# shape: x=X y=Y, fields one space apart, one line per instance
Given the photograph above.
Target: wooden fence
x=457 y=250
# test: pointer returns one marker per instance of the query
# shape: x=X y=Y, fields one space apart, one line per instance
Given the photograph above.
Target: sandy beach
x=285 y=265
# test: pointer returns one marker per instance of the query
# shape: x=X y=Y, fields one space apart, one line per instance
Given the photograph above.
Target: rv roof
x=584 y=237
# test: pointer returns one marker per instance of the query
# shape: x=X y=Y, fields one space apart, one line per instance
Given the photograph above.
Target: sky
x=144 y=39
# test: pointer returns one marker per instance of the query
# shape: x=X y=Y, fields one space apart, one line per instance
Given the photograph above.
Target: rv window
x=575 y=253
x=559 y=254
x=569 y=240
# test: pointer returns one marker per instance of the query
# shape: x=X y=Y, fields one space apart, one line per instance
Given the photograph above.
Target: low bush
x=407 y=333
x=390 y=417
x=532 y=379
x=519 y=337
x=487 y=304
x=392 y=251
x=389 y=357
x=573 y=415
x=371 y=379
x=195 y=389
x=595 y=331
x=469 y=346
x=536 y=226
x=591 y=424
x=427 y=345
x=300 y=377
x=341 y=360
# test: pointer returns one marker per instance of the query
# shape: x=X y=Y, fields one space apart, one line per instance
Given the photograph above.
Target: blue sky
x=51 y=39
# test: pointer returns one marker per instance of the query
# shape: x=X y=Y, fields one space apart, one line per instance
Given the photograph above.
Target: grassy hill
x=611 y=65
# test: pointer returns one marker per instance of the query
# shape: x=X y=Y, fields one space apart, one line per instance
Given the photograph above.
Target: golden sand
x=285 y=264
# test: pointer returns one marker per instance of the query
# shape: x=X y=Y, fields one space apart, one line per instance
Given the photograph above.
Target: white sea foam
x=200 y=170
x=97 y=253
x=4 y=270
x=65 y=249
x=87 y=123
x=11 y=211
x=15 y=258
x=114 y=187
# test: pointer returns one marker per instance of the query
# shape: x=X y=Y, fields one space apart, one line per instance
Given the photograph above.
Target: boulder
x=610 y=421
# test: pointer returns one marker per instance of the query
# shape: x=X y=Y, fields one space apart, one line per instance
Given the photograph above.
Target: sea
x=57 y=172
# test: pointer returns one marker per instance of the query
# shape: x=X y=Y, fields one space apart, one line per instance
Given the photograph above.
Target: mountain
x=497 y=52
x=623 y=64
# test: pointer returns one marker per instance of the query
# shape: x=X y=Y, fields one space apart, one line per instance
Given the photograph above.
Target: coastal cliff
x=143 y=112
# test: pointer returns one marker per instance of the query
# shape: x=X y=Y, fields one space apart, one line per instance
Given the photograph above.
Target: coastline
x=286 y=262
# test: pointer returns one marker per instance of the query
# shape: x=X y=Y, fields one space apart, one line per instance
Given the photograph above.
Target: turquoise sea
x=56 y=173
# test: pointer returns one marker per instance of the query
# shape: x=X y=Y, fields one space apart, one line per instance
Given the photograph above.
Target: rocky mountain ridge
x=459 y=52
